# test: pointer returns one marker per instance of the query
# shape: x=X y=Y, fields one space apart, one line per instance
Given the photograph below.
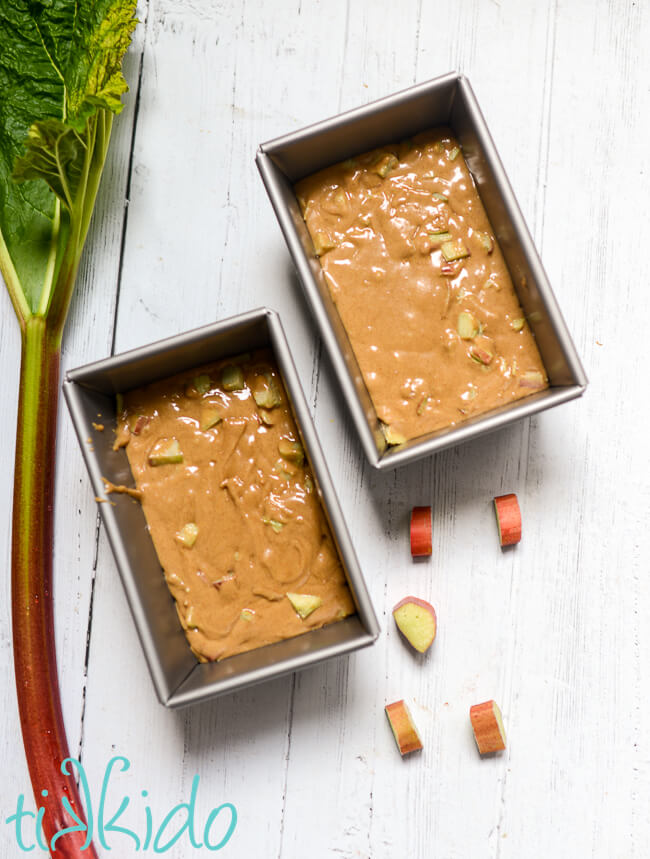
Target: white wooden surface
x=556 y=630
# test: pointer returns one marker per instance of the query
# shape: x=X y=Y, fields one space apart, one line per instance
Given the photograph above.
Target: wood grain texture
x=554 y=629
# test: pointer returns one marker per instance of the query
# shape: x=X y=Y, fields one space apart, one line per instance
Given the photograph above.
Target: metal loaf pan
x=444 y=101
x=177 y=676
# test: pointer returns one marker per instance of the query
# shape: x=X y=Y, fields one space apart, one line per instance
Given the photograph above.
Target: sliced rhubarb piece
x=481 y=356
x=232 y=378
x=467 y=326
x=422 y=405
x=421 y=532
x=403 y=727
x=210 y=416
x=266 y=392
x=393 y=436
x=274 y=523
x=166 y=451
x=188 y=534
x=487 y=724
x=267 y=417
x=518 y=324
x=285 y=470
x=291 y=451
x=486 y=240
x=385 y=164
x=140 y=424
x=202 y=383
x=532 y=379
x=439 y=238
x=304 y=604
x=323 y=243
x=190 y=620
x=416 y=620
x=454 y=250
x=508 y=516
x=448 y=269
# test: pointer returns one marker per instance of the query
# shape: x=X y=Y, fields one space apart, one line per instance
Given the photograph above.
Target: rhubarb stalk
x=60 y=84
x=31 y=592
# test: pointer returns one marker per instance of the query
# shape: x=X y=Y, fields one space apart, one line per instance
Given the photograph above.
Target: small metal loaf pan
x=444 y=101
x=177 y=676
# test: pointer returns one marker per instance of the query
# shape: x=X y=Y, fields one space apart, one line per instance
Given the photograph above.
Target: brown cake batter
x=232 y=507
x=421 y=285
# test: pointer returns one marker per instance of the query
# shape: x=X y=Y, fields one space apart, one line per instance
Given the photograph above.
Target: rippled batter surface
x=232 y=507
x=421 y=285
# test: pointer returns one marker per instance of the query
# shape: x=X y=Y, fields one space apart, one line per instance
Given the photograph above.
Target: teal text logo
x=179 y=823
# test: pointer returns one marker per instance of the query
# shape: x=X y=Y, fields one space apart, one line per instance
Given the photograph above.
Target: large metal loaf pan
x=177 y=676
x=445 y=101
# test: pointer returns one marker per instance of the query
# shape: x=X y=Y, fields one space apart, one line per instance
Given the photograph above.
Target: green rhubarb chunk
x=422 y=405
x=304 y=604
x=277 y=526
x=532 y=379
x=323 y=243
x=210 y=416
x=517 y=324
x=266 y=417
x=285 y=470
x=393 y=436
x=440 y=197
x=454 y=250
x=266 y=392
x=166 y=451
x=467 y=326
x=455 y=152
x=385 y=164
x=439 y=238
x=291 y=451
x=188 y=534
x=247 y=614
x=202 y=383
x=486 y=240
x=232 y=378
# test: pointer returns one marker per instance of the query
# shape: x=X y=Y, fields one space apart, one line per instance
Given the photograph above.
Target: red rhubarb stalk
x=32 y=616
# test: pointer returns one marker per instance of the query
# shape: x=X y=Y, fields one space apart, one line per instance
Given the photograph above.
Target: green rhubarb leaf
x=60 y=83
x=55 y=152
